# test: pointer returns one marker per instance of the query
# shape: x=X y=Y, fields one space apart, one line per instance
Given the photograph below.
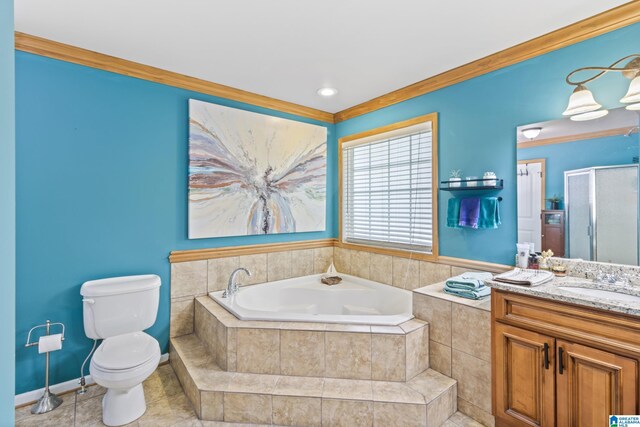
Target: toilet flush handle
x=88 y=300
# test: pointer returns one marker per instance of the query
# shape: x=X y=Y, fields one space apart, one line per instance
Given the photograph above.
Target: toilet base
x=120 y=407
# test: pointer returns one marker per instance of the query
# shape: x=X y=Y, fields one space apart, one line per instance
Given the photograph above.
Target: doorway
x=531 y=195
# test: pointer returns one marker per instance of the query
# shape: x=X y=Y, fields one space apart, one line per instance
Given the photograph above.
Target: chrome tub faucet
x=233 y=286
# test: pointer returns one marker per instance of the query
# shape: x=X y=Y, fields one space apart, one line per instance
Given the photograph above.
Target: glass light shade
x=581 y=101
x=633 y=107
x=531 y=133
x=633 y=94
x=589 y=115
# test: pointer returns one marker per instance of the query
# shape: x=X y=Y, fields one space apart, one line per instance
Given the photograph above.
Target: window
x=388 y=178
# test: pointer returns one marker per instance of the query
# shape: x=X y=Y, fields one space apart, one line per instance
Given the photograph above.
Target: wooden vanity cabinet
x=592 y=384
x=561 y=365
x=524 y=377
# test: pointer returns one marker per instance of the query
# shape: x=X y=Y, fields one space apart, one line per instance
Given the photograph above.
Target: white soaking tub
x=306 y=299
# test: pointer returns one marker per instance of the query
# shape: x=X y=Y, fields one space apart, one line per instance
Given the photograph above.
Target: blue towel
x=482 y=292
x=469 y=281
x=453 y=212
x=469 y=212
x=489 y=216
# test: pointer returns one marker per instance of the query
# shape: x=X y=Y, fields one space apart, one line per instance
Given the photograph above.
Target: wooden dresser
x=553 y=232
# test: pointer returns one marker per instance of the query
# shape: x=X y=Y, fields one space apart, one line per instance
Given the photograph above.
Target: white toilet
x=118 y=310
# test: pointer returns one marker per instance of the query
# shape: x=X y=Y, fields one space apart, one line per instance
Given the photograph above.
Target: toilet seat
x=123 y=361
x=125 y=352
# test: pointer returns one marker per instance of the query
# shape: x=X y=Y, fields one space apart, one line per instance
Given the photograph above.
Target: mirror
x=578 y=187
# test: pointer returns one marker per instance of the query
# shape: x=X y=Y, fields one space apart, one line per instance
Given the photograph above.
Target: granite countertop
x=553 y=291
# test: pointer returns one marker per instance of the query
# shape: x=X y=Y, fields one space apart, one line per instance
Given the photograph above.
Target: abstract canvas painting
x=251 y=173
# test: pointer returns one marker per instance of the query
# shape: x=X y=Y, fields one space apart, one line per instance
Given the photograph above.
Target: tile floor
x=167 y=406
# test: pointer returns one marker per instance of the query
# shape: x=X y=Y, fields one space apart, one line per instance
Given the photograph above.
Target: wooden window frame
x=433 y=256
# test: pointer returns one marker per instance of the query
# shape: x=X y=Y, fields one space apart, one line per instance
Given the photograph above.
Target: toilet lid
x=126 y=351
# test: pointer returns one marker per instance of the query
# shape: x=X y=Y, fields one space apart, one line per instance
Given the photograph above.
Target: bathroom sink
x=600 y=293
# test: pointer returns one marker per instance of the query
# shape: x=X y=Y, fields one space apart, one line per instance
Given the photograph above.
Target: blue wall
x=478 y=120
x=7 y=213
x=608 y=151
x=102 y=175
x=102 y=191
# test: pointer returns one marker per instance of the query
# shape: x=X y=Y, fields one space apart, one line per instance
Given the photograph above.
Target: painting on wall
x=251 y=173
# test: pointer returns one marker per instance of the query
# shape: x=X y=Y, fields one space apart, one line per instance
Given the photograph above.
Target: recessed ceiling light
x=327 y=91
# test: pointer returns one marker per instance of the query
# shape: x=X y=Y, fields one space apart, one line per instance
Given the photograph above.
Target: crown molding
x=613 y=19
x=610 y=20
x=76 y=55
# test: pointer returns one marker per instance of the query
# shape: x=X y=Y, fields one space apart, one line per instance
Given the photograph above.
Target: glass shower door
x=616 y=214
x=578 y=206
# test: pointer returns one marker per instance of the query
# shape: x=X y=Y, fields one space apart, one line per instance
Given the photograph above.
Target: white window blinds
x=387 y=189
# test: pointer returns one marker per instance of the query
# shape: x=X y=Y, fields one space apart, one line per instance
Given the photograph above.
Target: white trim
x=34 y=395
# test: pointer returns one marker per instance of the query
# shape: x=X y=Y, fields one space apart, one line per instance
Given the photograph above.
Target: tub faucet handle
x=232 y=286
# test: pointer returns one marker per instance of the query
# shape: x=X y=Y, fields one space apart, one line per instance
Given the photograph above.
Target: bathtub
x=306 y=299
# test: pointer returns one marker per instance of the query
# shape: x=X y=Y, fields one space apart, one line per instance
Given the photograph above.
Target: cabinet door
x=593 y=384
x=524 y=377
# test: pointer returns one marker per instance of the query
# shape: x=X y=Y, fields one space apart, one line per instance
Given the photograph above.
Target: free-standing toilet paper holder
x=48 y=401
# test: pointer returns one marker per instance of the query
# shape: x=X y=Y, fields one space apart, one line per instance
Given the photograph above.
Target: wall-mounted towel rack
x=476 y=184
x=488 y=184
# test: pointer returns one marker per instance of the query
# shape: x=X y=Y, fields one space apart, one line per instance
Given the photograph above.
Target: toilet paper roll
x=50 y=343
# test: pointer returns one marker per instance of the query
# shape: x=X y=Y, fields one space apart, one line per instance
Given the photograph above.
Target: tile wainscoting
x=192 y=279
x=456 y=349
x=379 y=353
x=460 y=346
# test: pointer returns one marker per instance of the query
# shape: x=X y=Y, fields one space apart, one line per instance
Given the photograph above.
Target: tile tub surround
x=428 y=399
x=460 y=345
x=399 y=272
x=192 y=279
x=389 y=353
x=403 y=272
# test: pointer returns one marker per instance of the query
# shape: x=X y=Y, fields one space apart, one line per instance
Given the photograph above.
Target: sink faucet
x=611 y=278
x=232 y=286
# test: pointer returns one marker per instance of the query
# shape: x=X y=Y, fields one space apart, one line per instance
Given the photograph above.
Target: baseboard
x=32 y=396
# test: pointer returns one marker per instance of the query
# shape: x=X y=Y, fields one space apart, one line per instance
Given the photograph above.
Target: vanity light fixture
x=327 y=91
x=531 y=133
x=583 y=106
x=590 y=115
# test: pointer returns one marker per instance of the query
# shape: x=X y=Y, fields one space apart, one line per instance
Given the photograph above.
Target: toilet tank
x=119 y=305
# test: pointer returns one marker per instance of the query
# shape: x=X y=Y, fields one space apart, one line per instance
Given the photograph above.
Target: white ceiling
x=287 y=49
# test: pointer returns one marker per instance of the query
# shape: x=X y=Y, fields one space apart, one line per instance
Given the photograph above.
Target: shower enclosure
x=602 y=213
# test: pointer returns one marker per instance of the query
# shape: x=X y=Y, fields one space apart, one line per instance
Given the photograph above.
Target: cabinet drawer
x=615 y=332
